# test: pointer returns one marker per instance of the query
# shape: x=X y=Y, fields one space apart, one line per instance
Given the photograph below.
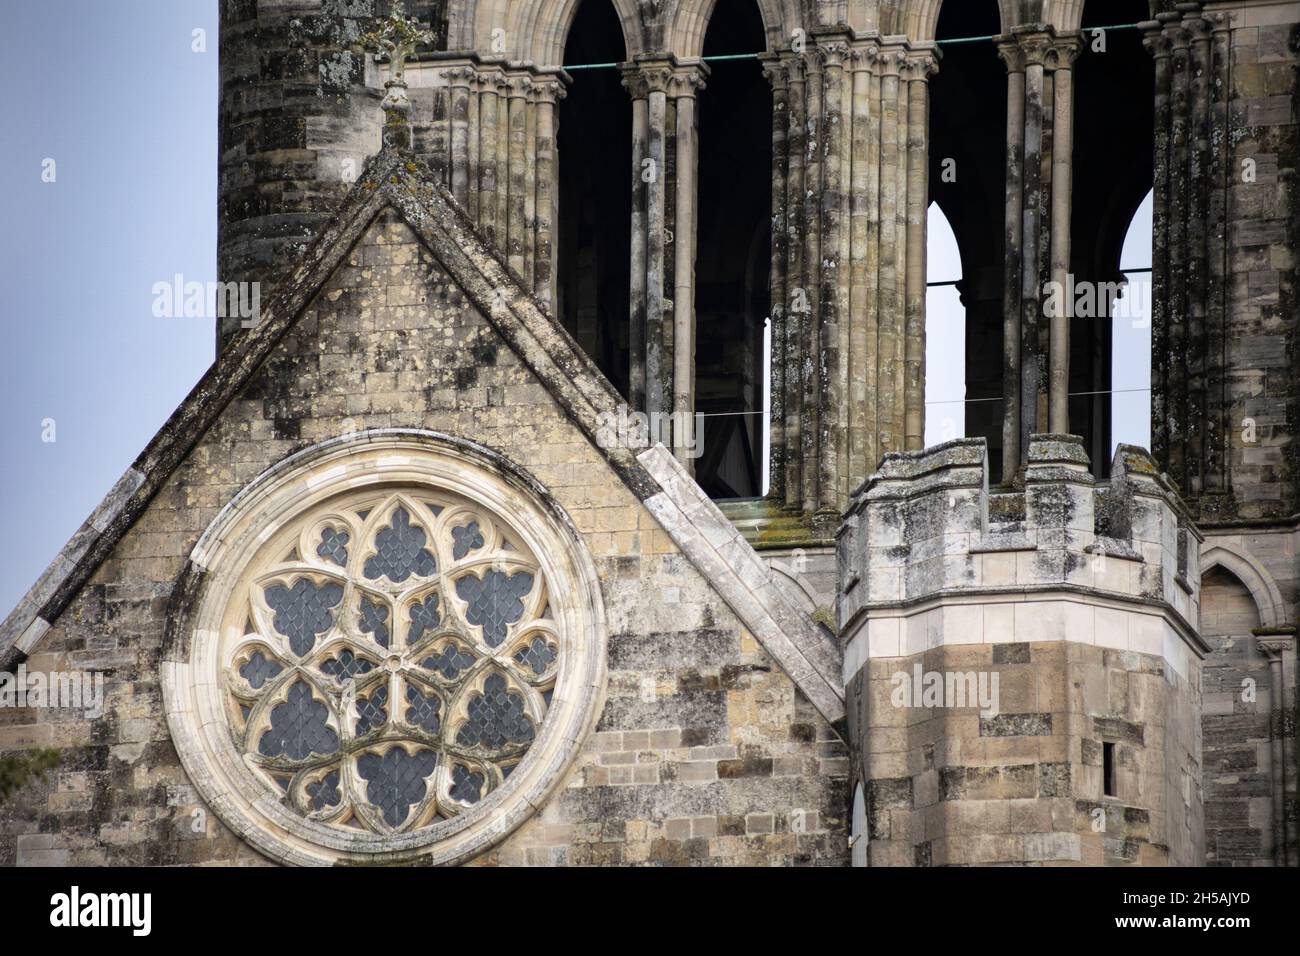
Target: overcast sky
x=117 y=97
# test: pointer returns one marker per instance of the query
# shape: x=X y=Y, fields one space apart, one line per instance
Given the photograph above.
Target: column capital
x=550 y=88
x=921 y=64
x=1273 y=646
x=1038 y=44
x=833 y=54
x=517 y=86
x=644 y=76
x=687 y=79
x=775 y=70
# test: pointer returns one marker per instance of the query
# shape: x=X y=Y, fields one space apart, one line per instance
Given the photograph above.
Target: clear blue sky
x=112 y=92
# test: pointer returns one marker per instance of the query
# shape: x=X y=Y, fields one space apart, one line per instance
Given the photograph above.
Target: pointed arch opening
x=594 y=147
x=733 y=257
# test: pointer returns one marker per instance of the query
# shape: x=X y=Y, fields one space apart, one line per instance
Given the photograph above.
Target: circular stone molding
x=387 y=648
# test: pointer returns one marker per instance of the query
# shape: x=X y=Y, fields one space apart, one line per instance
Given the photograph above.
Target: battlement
x=927 y=525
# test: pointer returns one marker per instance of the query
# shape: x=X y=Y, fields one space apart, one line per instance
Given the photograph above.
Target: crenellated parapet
x=926 y=525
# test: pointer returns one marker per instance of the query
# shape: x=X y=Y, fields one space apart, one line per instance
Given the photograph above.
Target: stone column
x=634 y=84
x=686 y=83
x=549 y=91
x=775 y=72
x=517 y=241
x=798 y=307
x=920 y=64
x=489 y=85
x=1063 y=56
x=1274 y=648
x=460 y=79
x=830 y=392
x=1039 y=114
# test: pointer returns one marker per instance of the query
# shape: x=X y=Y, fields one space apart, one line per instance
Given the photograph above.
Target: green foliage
x=16 y=771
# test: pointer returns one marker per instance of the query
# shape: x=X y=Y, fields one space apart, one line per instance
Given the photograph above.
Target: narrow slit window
x=1108 y=769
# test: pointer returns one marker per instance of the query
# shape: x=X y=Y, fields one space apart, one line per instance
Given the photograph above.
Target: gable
x=372 y=330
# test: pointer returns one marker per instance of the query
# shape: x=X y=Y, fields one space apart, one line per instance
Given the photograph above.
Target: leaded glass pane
x=495 y=601
x=257 y=670
x=372 y=711
x=303 y=611
x=425 y=616
x=423 y=711
x=496 y=717
x=396 y=780
x=298 y=727
x=400 y=551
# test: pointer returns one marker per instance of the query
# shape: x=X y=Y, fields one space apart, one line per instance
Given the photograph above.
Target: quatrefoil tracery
x=397 y=663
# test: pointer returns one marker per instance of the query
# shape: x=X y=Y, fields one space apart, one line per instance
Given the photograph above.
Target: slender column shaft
x=637 y=326
x=530 y=187
x=1030 y=368
x=472 y=152
x=1158 y=44
x=516 y=245
x=487 y=169
x=460 y=80
x=918 y=115
x=544 y=267
x=775 y=73
x=890 y=333
x=1197 y=169
x=860 y=354
x=812 y=266
x=830 y=394
x=655 y=368
x=684 y=274
x=1012 y=245
x=1062 y=153
x=797 y=303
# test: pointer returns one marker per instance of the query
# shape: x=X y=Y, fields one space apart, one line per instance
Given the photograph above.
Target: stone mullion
x=487 y=167
x=460 y=79
x=1216 y=424
x=686 y=147
x=856 y=422
x=797 y=305
x=1158 y=44
x=1180 y=64
x=918 y=115
x=774 y=71
x=1198 y=163
x=889 y=427
x=811 y=331
x=517 y=246
x=830 y=394
x=843 y=315
x=1013 y=245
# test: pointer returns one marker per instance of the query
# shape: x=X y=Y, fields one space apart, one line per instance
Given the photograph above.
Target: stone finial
x=397 y=36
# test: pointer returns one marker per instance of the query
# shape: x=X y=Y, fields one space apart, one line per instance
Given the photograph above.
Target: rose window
x=396 y=663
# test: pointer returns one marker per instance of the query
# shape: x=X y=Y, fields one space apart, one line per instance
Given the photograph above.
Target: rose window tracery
x=396 y=662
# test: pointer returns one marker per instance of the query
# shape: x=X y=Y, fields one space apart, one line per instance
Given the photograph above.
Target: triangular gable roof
x=397 y=179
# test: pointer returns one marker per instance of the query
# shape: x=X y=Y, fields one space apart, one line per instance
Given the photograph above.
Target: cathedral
x=567 y=501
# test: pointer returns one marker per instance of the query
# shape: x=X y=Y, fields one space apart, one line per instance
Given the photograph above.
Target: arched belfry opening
x=1030 y=131
x=594 y=142
x=1112 y=174
x=733 y=256
x=967 y=182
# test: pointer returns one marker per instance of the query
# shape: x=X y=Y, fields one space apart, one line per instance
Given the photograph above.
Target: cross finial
x=397 y=36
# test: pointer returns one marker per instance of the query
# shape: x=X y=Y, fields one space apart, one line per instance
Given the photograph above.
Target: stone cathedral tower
x=407 y=579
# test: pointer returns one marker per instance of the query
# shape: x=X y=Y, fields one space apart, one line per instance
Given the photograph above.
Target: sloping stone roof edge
x=396 y=178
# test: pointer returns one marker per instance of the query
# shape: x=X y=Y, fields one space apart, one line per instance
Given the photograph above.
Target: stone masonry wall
x=1075 y=599
x=705 y=752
